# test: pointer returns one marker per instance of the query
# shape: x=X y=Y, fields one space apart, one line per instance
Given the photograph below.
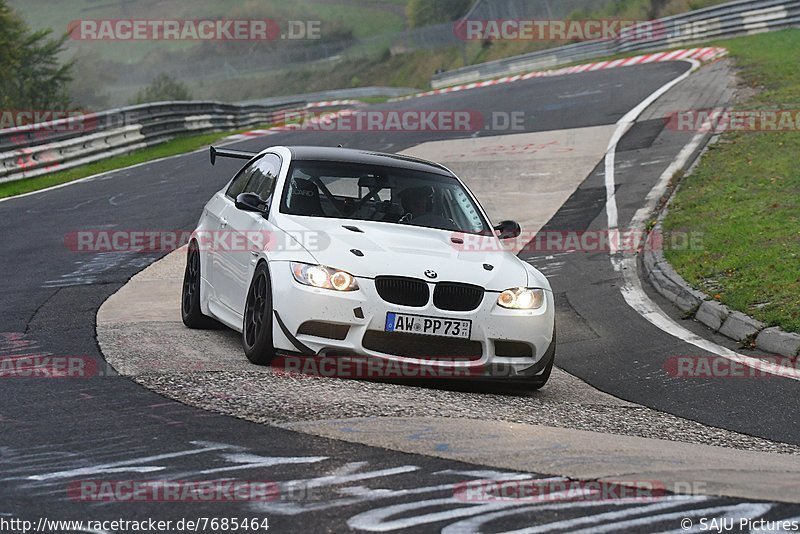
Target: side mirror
x=508 y=230
x=251 y=202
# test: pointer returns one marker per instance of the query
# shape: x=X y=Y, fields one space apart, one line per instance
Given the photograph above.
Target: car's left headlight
x=323 y=277
x=521 y=298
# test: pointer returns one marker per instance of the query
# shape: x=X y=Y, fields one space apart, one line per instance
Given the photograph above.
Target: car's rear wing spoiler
x=225 y=153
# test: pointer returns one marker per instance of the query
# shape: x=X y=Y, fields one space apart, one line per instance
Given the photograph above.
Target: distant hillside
x=358 y=45
x=357 y=17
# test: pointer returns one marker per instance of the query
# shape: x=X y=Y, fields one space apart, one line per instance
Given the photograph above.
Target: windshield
x=384 y=194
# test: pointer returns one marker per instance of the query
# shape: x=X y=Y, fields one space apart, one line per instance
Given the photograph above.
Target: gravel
x=263 y=397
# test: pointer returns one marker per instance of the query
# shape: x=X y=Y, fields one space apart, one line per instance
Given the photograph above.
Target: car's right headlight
x=323 y=277
x=521 y=298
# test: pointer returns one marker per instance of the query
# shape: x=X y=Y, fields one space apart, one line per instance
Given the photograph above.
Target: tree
x=656 y=7
x=33 y=77
x=428 y=12
x=92 y=73
x=162 y=88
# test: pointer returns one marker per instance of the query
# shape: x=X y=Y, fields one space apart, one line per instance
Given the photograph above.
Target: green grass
x=179 y=145
x=745 y=196
x=367 y=63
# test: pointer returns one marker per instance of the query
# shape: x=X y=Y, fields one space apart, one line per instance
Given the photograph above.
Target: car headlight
x=323 y=277
x=521 y=298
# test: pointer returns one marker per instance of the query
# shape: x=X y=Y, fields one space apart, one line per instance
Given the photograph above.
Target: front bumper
x=354 y=315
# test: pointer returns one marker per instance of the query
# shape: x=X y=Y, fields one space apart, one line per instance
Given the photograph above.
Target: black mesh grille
x=512 y=349
x=457 y=297
x=403 y=291
x=422 y=347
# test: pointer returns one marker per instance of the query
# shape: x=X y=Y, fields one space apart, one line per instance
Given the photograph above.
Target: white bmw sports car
x=313 y=252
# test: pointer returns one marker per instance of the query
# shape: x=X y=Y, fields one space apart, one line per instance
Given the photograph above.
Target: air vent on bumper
x=512 y=349
x=323 y=330
x=422 y=347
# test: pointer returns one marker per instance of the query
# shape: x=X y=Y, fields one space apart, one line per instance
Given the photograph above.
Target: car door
x=213 y=222
x=248 y=233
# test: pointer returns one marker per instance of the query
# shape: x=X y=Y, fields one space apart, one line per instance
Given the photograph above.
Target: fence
x=722 y=21
x=37 y=149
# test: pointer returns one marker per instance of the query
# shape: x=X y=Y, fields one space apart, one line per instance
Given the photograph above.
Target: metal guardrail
x=722 y=21
x=38 y=149
x=337 y=94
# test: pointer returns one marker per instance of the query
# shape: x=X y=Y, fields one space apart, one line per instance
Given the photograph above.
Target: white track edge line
x=632 y=290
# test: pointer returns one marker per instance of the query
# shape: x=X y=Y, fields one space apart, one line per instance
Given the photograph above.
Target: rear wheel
x=191 y=313
x=257 y=323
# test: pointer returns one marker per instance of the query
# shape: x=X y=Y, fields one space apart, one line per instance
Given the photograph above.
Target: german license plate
x=428 y=326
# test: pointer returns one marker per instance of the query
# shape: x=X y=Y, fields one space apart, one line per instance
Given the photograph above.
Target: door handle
x=223 y=223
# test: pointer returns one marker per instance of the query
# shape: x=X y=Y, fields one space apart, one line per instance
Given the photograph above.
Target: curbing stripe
x=632 y=290
x=705 y=54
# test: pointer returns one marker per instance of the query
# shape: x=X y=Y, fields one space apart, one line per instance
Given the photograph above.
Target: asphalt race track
x=58 y=431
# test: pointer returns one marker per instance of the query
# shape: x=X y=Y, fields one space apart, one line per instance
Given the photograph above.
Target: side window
x=264 y=175
x=237 y=185
x=468 y=212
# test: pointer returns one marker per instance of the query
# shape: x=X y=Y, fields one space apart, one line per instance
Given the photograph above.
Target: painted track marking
x=632 y=289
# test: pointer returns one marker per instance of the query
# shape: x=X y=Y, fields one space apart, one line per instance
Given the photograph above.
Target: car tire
x=257 y=322
x=191 y=313
x=538 y=382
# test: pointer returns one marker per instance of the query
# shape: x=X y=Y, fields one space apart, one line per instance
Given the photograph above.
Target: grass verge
x=173 y=147
x=744 y=197
x=179 y=145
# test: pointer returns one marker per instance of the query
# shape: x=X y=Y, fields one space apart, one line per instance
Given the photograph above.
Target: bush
x=163 y=88
x=428 y=12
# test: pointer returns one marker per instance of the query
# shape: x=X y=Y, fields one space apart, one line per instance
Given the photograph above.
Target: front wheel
x=257 y=323
x=191 y=314
x=538 y=382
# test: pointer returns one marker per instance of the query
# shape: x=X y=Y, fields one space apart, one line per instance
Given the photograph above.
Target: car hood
x=399 y=250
